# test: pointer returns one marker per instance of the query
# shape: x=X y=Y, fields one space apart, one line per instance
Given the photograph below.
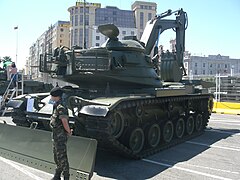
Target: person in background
x=13 y=74
x=60 y=133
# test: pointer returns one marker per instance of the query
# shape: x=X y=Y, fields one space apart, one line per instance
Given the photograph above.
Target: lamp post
x=84 y=24
x=16 y=28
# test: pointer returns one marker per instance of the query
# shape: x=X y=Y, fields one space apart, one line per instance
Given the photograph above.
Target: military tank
x=30 y=86
x=131 y=98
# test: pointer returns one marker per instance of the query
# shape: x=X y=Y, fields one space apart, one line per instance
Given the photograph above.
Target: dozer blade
x=34 y=148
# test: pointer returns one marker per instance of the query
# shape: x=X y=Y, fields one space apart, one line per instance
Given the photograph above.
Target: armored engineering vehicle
x=131 y=98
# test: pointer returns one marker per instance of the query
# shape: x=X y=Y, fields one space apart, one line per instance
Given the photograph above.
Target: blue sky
x=213 y=24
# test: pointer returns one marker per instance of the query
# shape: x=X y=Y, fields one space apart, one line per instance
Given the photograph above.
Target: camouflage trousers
x=60 y=154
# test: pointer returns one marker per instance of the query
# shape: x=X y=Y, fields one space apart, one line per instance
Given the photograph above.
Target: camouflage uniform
x=59 y=136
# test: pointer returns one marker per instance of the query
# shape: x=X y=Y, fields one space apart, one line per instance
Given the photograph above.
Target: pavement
x=213 y=155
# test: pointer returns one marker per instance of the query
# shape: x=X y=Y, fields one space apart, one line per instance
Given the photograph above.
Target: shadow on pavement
x=111 y=165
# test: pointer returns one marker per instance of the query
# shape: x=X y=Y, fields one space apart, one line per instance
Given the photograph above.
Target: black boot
x=66 y=176
x=57 y=175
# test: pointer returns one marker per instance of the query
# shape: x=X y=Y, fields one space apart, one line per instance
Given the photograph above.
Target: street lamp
x=16 y=28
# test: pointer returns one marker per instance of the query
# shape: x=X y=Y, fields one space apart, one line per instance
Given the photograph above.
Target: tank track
x=100 y=127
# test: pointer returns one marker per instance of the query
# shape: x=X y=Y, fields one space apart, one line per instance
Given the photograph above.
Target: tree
x=6 y=59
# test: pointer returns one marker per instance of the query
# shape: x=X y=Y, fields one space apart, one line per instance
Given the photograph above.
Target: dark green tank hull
x=137 y=127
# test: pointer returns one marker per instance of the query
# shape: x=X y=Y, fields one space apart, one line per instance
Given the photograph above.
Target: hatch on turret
x=113 y=43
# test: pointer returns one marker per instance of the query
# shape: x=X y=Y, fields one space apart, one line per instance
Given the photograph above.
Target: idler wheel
x=179 y=128
x=153 y=135
x=190 y=125
x=136 y=140
x=198 y=122
x=168 y=131
x=117 y=124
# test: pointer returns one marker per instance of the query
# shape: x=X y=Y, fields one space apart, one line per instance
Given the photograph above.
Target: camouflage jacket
x=59 y=111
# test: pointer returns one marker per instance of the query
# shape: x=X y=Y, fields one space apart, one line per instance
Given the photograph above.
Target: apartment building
x=79 y=36
x=143 y=12
x=95 y=16
x=56 y=35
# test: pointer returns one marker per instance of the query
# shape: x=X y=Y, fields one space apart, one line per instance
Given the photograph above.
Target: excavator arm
x=151 y=34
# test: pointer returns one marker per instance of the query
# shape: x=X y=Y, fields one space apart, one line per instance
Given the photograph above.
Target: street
x=213 y=155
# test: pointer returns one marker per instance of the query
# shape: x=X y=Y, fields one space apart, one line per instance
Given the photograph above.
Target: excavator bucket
x=34 y=148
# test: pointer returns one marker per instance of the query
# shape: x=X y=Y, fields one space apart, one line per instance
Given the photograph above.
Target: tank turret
x=120 y=64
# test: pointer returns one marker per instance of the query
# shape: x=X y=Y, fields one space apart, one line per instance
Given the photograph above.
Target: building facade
x=78 y=36
x=143 y=12
x=212 y=65
x=56 y=35
x=130 y=22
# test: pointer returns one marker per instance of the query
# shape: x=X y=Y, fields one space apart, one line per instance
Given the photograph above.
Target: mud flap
x=34 y=148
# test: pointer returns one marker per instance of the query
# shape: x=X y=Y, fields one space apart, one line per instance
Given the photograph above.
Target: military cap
x=57 y=91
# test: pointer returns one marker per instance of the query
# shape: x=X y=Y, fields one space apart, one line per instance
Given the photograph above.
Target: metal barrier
x=226 y=108
x=34 y=148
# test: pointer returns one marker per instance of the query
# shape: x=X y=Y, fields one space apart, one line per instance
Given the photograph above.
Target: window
x=75 y=36
x=210 y=65
x=72 y=20
x=81 y=20
x=226 y=65
x=76 y=10
x=203 y=71
x=132 y=33
x=124 y=32
x=76 y=20
x=61 y=29
x=204 y=64
x=141 y=20
x=97 y=44
x=60 y=41
x=87 y=20
x=149 y=16
x=218 y=65
x=81 y=37
x=195 y=72
x=97 y=37
x=195 y=64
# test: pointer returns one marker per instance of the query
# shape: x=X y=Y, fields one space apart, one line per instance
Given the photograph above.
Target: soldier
x=60 y=133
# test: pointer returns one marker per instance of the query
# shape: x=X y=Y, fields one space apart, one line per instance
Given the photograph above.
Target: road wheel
x=179 y=128
x=153 y=135
x=190 y=125
x=117 y=124
x=168 y=131
x=198 y=122
x=136 y=140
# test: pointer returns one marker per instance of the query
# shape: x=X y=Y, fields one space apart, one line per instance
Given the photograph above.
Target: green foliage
x=6 y=59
